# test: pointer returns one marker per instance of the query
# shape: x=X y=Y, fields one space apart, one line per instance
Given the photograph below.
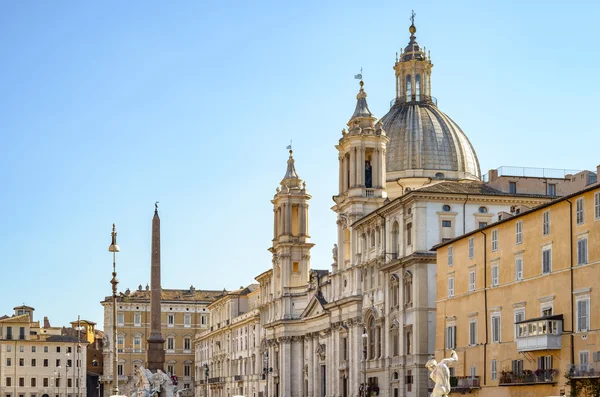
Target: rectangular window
x=519 y=231
x=45 y=349
x=472 y=332
x=22 y=349
x=187 y=344
x=583 y=315
x=120 y=370
x=120 y=343
x=203 y=319
x=546 y=223
x=187 y=320
x=482 y=224
x=446 y=223
x=8 y=332
x=450 y=256
x=512 y=187
x=8 y=381
x=495 y=240
x=120 y=319
x=137 y=344
x=472 y=281
x=473 y=371
x=21 y=362
x=450 y=287
x=582 y=251
x=137 y=319
x=471 y=247
x=33 y=349
x=552 y=189
x=45 y=362
x=171 y=369
x=546 y=260
x=451 y=337
x=580 y=212
x=597 y=206
x=494 y=369
x=496 y=328
x=409 y=233
x=518 y=268
x=58 y=349
x=171 y=319
x=517 y=366
x=45 y=382
x=57 y=362
x=519 y=328
x=584 y=360
x=33 y=362
x=170 y=343
x=8 y=362
x=187 y=370
x=495 y=275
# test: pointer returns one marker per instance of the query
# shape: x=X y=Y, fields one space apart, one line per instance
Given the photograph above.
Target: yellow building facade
x=518 y=301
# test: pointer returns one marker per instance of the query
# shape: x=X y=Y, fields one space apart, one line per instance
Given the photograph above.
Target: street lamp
x=114 y=248
x=365 y=337
x=206 y=379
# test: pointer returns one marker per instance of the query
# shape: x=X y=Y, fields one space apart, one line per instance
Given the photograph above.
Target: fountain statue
x=153 y=385
x=440 y=374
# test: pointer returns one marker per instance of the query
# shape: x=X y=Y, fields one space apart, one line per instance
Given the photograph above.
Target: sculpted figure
x=334 y=251
x=440 y=374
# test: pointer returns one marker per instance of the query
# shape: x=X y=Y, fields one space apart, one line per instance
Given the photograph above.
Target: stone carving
x=151 y=385
x=440 y=374
x=105 y=343
x=320 y=350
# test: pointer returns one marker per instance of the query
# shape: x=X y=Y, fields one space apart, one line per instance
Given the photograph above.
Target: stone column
x=311 y=356
x=341 y=175
x=345 y=173
x=282 y=218
x=382 y=164
x=360 y=166
x=306 y=219
x=274 y=223
x=301 y=219
x=285 y=367
x=288 y=215
x=375 y=169
x=352 y=167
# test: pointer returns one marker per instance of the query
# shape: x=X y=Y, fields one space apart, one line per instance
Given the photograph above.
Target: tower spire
x=155 y=355
x=291 y=178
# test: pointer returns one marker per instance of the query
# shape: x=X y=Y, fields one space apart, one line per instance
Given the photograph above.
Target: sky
x=107 y=107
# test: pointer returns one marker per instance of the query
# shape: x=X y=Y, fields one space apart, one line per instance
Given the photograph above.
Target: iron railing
x=415 y=99
x=532 y=172
x=528 y=377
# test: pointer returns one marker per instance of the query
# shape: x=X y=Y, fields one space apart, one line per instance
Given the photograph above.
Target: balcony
x=460 y=384
x=216 y=380
x=580 y=371
x=528 y=377
x=542 y=333
x=238 y=378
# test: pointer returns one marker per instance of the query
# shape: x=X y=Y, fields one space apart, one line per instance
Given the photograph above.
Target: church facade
x=407 y=182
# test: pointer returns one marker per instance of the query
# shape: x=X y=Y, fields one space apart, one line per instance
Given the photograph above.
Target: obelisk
x=155 y=356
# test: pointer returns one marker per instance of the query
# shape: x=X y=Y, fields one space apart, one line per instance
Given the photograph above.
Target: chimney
x=492 y=175
x=46 y=322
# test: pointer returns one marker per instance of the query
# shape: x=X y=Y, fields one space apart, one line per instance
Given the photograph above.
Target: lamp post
x=365 y=338
x=114 y=248
x=266 y=371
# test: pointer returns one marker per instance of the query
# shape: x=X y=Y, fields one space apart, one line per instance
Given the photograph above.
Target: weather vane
x=412 y=17
x=358 y=76
x=156 y=206
x=289 y=147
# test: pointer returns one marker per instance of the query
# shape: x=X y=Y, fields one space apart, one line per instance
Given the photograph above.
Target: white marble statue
x=440 y=374
x=148 y=384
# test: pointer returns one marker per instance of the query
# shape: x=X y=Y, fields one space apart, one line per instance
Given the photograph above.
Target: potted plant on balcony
x=550 y=373
x=540 y=374
x=529 y=376
x=506 y=376
x=374 y=390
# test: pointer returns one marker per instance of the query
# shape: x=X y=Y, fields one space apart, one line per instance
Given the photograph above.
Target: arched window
x=372 y=333
x=395 y=240
x=363 y=243
x=394 y=290
x=395 y=338
x=408 y=89
x=408 y=289
x=418 y=87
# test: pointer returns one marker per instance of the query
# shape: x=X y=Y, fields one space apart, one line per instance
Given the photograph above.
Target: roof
x=516 y=216
x=189 y=295
x=65 y=338
x=23 y=318
x=473 y=188
x=450 y=187
x=362 y=107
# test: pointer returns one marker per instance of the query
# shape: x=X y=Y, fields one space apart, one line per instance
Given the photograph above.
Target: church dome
x=424 y=138
x=424 y=141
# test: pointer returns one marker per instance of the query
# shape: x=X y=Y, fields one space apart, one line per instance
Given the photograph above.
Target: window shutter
x=454 y=337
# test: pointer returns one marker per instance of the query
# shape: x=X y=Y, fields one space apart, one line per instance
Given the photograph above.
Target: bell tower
x=362 y=175
x=291 y=239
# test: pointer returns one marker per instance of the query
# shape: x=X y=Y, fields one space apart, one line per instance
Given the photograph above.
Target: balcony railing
x=591 y=370
x=414 y=98
x=542 y=333
x=460 y=383
x=370 y=192
x=216 y=380
x=527 y=377
x=238 y=378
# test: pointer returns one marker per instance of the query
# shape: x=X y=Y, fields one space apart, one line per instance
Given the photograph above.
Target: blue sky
x=107 y=107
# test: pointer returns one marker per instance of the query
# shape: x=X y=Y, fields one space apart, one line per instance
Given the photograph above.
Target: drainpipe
x=485 y=306
x=571 y=274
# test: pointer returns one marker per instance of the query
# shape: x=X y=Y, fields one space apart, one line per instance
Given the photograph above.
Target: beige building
x=228 y=360
x=183 y=314
x=37 y=361
x=518 y=300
